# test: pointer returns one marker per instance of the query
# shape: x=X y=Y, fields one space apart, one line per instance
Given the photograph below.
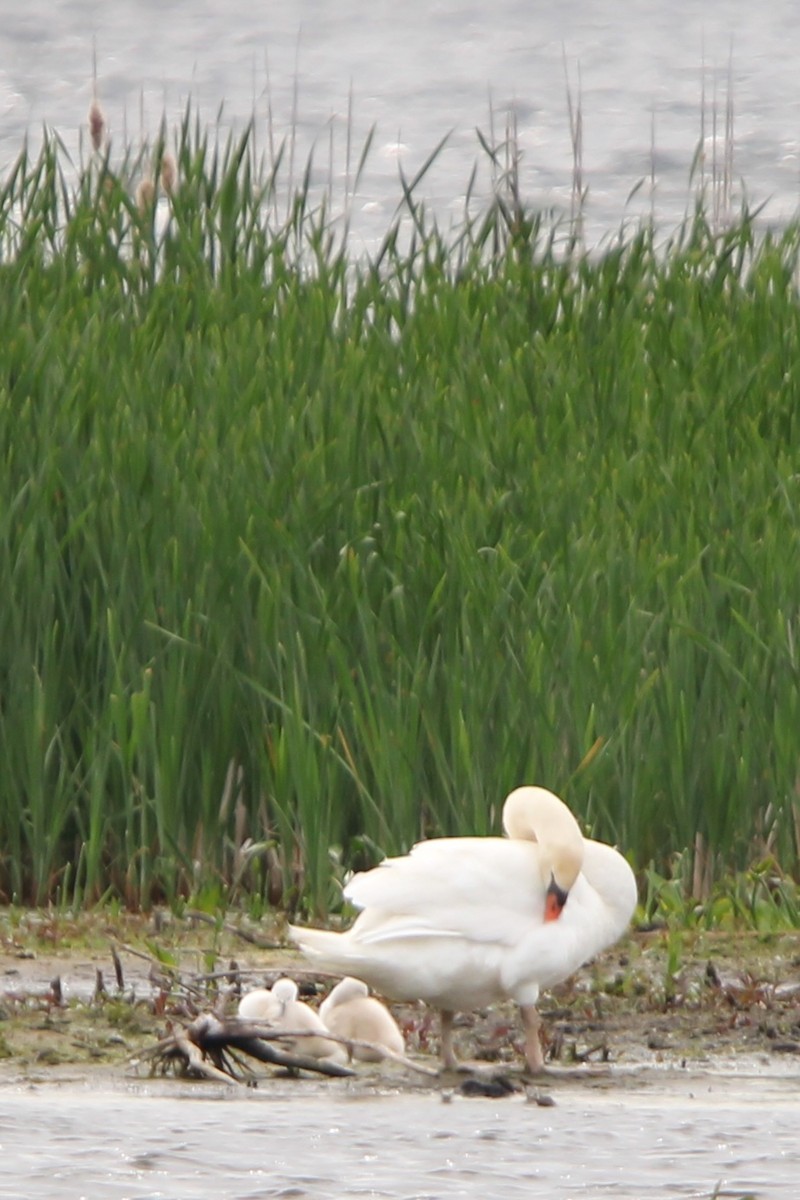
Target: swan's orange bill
x=554 y=900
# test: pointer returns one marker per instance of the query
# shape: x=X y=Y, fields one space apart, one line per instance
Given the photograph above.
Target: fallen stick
x=266 y=1032
x=207 y=1035
x=250 y=1038
x=197 y=1063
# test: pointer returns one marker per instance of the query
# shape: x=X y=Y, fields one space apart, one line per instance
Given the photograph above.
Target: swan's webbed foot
x=481 y=1077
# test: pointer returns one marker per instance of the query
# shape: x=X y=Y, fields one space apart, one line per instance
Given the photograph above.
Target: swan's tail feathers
x=325 y=948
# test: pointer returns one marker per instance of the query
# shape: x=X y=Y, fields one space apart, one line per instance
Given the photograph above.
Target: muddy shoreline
x=84 y=1000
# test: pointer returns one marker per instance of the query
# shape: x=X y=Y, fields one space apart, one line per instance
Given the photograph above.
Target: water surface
x=420 y=71
x=631 y=1138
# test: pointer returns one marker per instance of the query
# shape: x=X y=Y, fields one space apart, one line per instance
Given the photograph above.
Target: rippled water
x=678 y=1139
x=425 y=68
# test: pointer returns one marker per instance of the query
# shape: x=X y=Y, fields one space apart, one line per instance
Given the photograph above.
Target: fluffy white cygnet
x=282 y=1009
x=350 y=1012
x=259 y=1005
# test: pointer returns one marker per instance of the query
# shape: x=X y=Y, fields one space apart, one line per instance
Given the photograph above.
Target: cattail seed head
x=97 y=124
x=169 y=174
x=145 y=195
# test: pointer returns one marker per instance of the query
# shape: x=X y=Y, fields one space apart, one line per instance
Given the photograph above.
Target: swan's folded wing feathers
x=489 y=925
x=452 y=882
x=398 y=929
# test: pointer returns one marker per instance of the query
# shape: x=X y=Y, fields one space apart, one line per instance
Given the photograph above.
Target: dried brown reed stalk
x=579 y=189
x=716 y=176
x=702 y=869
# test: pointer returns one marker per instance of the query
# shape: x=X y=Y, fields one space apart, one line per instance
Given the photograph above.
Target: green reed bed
x=304 y=559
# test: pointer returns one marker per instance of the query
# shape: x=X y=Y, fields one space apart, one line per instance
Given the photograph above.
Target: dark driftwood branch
x=196 y=1062
x=256 y=1040
x=209 y=1038
x=266 y=1033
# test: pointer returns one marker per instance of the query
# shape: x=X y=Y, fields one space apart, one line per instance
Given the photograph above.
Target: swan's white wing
x=483 y=889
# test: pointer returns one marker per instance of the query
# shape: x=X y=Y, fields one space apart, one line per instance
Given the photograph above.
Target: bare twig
x=244 y=934
x=99 y=986
x=160 y=973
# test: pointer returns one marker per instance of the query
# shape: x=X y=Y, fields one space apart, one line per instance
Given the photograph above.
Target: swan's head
x=558 y=876
x=285 y=991
x=534 y=814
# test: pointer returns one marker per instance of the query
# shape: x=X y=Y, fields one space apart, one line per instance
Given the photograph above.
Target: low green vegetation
x=305 y=558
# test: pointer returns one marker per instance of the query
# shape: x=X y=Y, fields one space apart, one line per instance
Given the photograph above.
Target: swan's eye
x=554 y=900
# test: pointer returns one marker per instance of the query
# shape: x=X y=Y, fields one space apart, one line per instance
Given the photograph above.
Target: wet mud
x=92 y=996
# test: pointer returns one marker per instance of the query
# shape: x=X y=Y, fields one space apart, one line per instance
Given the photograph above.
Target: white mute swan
x=350 y=1012
x=281 y=1008
x=464 y=922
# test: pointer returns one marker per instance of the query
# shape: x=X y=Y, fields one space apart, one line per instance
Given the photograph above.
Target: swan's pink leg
x=533 y=1047
x=449 y=1060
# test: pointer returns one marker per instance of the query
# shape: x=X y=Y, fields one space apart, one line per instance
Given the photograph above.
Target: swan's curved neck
x=536 y=815
x=533 y=814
